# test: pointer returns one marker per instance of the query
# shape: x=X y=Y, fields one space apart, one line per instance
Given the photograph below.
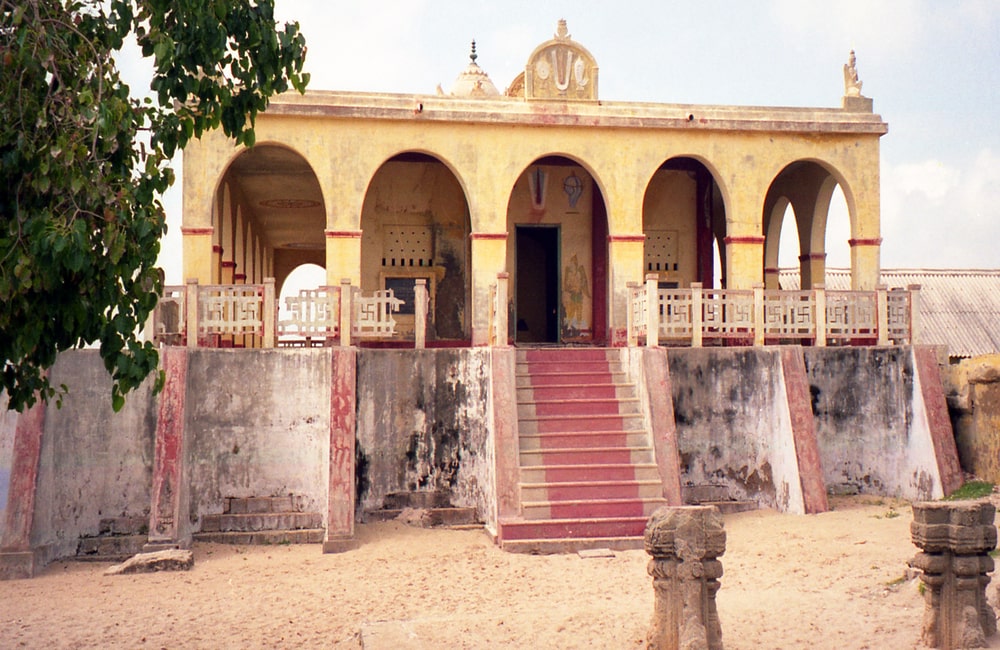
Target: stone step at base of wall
x=732 y=507
x=575 y=528
x=259 y=505
x=107 y=548
x=263 y=537
x=428 y=517
x=248 y=523
x=571 y=545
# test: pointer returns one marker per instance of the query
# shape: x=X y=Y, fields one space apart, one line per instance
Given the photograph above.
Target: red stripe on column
x=23 y=479
x=168 y=454
x=340 y=503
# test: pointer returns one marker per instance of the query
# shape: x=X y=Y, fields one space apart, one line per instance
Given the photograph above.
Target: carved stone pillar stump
x=955 y=539
x=685 y=544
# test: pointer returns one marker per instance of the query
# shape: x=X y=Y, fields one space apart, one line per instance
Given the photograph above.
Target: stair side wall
x=871 y=422
x=734 y=425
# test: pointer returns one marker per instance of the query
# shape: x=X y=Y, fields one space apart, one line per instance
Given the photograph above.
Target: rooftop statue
x=852 y=85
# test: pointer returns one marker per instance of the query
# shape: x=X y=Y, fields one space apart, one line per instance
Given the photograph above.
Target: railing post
x=758 y=313
x=270 y=314
x=421 y=299
x=914 y=290
x=632 y=336
x=819 y=297
x=346 y=316
x=882 y=309
x=503 y=283
x=652 y=310
x=191 y=312
x=696 y=309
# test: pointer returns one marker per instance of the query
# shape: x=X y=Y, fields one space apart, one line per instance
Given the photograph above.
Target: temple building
x=571 y=196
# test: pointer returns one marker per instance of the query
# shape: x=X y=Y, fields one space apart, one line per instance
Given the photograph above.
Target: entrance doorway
x=537 y=307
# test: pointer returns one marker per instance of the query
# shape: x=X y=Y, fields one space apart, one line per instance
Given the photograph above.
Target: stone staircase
x=588 y=474
x=262 y=520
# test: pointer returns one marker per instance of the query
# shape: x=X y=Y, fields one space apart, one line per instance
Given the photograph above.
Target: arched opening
x=558 y=226
x=415 y=225
x=271 y=216
x=804 y=205
x=683 y=220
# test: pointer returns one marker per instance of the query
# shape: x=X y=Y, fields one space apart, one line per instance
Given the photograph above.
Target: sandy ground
x=834 y=580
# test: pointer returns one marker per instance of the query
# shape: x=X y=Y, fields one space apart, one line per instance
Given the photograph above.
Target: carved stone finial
x=472 y=55
x=562 y=32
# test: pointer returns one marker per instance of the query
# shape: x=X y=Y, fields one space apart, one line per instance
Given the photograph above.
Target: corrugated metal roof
x=959 y=308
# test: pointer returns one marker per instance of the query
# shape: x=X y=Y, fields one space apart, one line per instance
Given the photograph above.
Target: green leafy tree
x=83 y=162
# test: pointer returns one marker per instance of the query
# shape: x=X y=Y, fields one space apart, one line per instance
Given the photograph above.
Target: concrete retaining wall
x=257 y=423
x=424 y=425
x=733 y=424
x=94 y=463
x=871 y=422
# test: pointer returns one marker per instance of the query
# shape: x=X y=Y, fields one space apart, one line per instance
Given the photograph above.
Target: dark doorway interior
x=537 y=306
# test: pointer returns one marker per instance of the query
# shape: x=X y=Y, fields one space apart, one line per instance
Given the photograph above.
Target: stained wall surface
x=423 y=424
x=94 y=463
x=871 y=422
x=257 y=424
x=733 y=424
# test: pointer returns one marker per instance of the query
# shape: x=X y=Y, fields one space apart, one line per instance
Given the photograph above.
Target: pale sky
x=932 y=68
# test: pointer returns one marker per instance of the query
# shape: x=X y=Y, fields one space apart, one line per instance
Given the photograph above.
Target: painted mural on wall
x=576 y=302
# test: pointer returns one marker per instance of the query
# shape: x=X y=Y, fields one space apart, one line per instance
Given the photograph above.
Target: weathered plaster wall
x=669 y=220
x=733 y=424
x=94 y=463
x=257 y=423
x=8 y=421
x=871 y=423
x=423 y=425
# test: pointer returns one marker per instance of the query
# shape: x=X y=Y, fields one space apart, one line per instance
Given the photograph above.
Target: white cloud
x=936 y=215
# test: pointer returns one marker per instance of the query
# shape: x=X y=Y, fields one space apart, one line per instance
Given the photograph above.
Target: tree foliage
x=83 y=162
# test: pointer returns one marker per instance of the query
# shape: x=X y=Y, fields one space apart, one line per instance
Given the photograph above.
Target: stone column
x=955 y=539
x=685 y=544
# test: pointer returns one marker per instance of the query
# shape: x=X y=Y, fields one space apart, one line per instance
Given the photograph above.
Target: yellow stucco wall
x=489 y=144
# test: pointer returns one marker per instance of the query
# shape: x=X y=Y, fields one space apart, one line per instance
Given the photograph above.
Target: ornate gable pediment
x=561 y=69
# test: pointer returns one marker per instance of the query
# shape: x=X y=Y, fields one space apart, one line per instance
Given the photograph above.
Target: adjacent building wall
x=423 y=425
x=94 y=463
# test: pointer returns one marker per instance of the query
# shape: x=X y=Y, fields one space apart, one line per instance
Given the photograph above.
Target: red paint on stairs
x=588 y=473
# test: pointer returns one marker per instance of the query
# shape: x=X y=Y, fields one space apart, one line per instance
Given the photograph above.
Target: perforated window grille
x=661 y=250
x=408 y=246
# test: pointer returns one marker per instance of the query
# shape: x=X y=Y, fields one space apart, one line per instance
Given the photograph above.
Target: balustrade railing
x=246 y=315
x=817 y=316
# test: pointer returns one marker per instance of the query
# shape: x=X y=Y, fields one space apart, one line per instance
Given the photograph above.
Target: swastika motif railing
x=311 y=316
x=231 y=309
x=373 y=314
x=691 y=316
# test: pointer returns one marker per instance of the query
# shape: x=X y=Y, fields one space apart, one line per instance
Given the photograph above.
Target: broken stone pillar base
x=684 y=543
x=955 y=539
